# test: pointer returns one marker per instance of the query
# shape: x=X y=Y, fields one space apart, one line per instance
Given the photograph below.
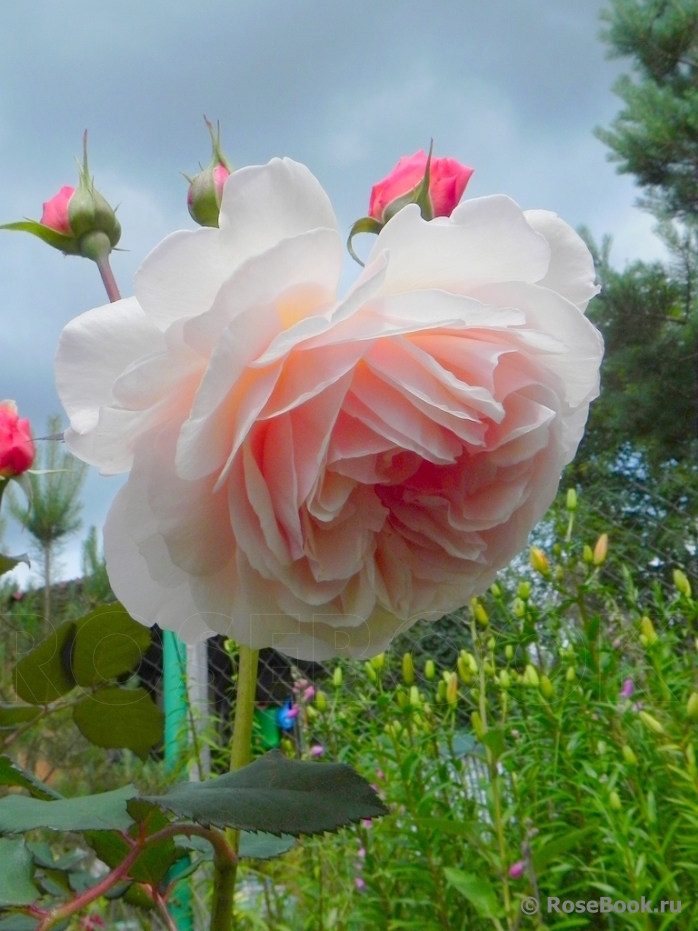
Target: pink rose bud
x=16 y=444
x=55 y=214
x=447 y=182
x=516 y=870
x=206 y=189
x=78 y=221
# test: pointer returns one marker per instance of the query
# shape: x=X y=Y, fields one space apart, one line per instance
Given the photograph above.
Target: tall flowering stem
x=108 y=279
x=241 y=750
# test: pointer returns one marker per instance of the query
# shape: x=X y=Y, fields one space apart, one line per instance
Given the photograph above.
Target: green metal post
x=174 y=662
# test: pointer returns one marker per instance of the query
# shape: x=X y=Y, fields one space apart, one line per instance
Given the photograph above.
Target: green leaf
x=277 y=795
x=555 y=848
x=67 y=244
x=16 y=868
x=108 y=643
x=44 y=674
x=11 y=716
x=476 y=890
x=43 y=856
x=115 y=717
x=18 y=922
x=444 y=826
x=8 y=563
x=152 y=865
x=494 y=740
x=263 y=846
x=105 y=811
x=12 y=774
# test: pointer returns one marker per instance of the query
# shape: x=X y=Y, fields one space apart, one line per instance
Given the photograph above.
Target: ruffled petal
x=571 y=272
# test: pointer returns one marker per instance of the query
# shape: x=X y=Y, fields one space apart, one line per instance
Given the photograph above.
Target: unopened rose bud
x=408 y=669
x=629 y=756
x=587 y=554
x=600 y=550
x=692 y=706
x=539 y=561
x=16 y=444
x=650 y=722
x=320 y=700
x=206 y=189
x=647 y=630
x=452 y=689
x=681 y=582
x=516 y=870
x=571 y=499
x=547 y=689
x=429 y=670
x=614 y=801
x=337 y=677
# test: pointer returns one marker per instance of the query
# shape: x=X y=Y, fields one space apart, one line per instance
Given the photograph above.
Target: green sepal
x=69 y=245
x=115 y=718
x=364 y=225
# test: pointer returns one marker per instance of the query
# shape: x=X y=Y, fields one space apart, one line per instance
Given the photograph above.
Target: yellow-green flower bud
x=571 y=674
x=408 y=669
x=531 y=676
x=546 y=688
x=496 y=590
x=481 y=616
x=337 y=677
x=652 y=723
x=647 y=630
x=441 y=691
x=464 y=671
x=509 y=651
x=504 y=679
x=692 y=706
x=321 y=700
x=601 y=747
x=600 y=550
x=370 y=671
x=524 y=591
x=401 y=698
x=681 y=582
x=629 y=756
x=476 y=722
x=311 y=712
x=539 y=561
x=475 y=694
x=571 y=499
x=587 y=554
x=378 y=662
x=446 y=673
x=559 y=574
x=429 y=670
x=614 y=801
x=488 y=667
x=518 y=608
x=491 y=644
x=415 y=697
x=452 y=689
x=690 y=754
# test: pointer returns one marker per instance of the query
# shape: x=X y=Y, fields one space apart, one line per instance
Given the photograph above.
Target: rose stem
x=241 y=750
x=108 y=278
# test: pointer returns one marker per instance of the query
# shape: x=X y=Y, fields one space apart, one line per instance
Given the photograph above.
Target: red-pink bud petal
x=55 y=214
x=447 y=182
x=16 y=444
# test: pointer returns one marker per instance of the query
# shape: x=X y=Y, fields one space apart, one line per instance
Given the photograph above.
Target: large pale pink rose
x=317 y=473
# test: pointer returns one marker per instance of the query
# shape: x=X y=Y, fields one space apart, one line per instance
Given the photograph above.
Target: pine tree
x=52 y=511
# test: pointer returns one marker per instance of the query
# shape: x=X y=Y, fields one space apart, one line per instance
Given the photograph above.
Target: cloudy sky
x=512 y=88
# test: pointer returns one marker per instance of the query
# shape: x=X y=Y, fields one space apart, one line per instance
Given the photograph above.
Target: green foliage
x=277 y=795
x=16 y=868
x=655 y=136
x=106 y=811
x=116 y=717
